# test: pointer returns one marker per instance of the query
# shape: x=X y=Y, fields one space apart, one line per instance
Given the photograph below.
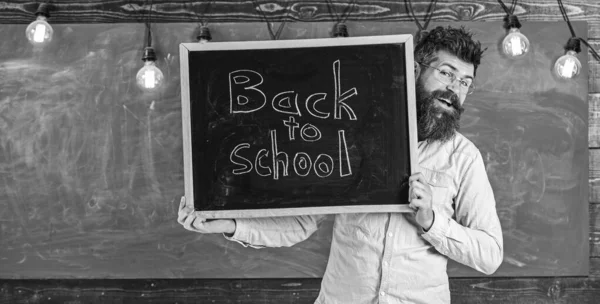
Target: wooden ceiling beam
x=113 y=11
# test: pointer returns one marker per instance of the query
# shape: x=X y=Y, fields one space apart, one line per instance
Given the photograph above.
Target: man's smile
x=445 y=103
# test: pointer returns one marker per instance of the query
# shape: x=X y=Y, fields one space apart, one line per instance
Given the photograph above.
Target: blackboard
x=92 y=169
x=298 y=127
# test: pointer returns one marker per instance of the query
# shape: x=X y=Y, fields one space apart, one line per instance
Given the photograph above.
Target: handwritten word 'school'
x=247 y=97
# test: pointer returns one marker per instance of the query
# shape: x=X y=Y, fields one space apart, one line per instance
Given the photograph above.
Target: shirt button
x=385 y=264
x=381 y=293
x=390 y=234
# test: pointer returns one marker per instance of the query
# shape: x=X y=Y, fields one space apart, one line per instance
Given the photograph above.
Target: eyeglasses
x=447 y=77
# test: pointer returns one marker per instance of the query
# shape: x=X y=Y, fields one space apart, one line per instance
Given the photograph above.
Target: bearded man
x=402 y=257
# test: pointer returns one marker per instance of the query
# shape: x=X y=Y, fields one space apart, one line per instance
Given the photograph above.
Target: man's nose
x=454 y=86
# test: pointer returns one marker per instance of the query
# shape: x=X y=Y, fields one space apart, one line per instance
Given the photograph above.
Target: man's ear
x=417 y=70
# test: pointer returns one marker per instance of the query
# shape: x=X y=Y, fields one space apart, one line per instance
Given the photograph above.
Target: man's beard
x=433 y=121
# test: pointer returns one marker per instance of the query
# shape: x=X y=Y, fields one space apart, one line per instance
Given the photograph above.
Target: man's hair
x=456 y=41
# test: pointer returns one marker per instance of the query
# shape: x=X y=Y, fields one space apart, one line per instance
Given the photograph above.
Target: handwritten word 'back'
x=246 y=97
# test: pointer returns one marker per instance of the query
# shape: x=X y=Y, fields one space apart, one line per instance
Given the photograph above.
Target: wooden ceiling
x=111 y=11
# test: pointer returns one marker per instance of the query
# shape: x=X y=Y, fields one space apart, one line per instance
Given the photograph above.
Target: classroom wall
x=464 y=290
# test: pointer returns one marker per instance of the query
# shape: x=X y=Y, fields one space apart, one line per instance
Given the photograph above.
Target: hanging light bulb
x=515 y=44
x=204 y=35
x=149 y=77
x=39 y=32
x=568 y=66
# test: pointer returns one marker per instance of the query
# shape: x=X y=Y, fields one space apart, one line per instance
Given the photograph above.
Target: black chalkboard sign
x=294 y=127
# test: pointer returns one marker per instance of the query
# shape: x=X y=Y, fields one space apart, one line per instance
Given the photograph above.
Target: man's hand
x=191 y=222
x=419 y=196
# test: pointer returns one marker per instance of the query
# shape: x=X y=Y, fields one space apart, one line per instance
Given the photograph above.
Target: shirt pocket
x=364 y=224
x=441 y=187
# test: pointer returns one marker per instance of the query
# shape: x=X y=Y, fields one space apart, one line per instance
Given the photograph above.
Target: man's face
x=439 y=105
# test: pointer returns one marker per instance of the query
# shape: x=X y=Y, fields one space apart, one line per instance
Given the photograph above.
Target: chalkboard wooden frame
x=186 y=49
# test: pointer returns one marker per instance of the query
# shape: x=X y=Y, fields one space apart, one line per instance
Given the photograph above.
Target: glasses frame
x=470 y=88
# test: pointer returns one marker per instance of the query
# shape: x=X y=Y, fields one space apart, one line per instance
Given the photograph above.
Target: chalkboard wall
x=92 y=168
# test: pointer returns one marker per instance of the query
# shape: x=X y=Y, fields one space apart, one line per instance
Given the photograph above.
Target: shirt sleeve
x=475 y=237
x=275 y=231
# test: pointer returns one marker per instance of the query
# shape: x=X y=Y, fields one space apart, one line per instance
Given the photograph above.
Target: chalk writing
x=247 y=97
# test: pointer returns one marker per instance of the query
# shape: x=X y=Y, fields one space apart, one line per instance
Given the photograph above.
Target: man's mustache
x=450 y=96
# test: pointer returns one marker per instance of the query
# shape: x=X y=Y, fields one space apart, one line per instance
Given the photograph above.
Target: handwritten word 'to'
x=308 y=132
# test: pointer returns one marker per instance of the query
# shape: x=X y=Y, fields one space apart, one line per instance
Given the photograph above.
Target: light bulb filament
x=149 y=79
x=515 y=43
x=39 y=33
x=568 y=69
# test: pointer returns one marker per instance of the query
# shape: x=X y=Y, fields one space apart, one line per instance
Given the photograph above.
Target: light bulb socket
x=204 y=34
x=420 y=34
x=340 y=30
x=511 y=21
x=149 y=54
x=43 y=10
x=574 y=44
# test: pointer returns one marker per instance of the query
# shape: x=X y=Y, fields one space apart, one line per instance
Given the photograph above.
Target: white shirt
x=388 y=257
